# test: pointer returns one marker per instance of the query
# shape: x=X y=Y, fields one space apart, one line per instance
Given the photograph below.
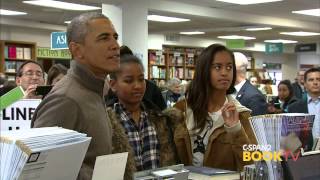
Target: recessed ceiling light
x=192 y=32
x=67 y=22
x=166 y=18
x=300 y=33
x=280 y=41
x=11 y=13
x=258 y=29
x=246 y=2
x=236 y=37
x=62 y=5
x=310 y=12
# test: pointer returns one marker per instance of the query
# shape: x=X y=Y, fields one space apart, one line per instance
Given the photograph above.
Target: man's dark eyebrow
x=107 y=35
x=103 y=34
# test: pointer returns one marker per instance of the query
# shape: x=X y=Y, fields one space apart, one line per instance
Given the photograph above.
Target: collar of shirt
x=312 y=100
x=239 y=86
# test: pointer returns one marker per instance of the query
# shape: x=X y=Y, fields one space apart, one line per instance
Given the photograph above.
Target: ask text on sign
x=59 y=40
x=18 y=115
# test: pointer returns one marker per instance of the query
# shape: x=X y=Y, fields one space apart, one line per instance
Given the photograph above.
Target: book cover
x=19 y=52
x=297 y=130
x=6 y=52
x=10 y=66
x=11 y=97
x=12 y=52
x=26 y=53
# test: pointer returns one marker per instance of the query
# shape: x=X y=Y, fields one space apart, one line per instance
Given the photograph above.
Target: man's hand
x=30 y=93
x=230 y=114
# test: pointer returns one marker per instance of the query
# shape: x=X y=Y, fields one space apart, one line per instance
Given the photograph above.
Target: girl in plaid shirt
x=147 y=129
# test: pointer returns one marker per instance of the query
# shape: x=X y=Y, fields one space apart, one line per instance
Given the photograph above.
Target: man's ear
x=18 y=80
x=76 y=50
x=113 y=84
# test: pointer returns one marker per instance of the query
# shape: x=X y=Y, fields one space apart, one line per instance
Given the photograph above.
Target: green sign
x=11 y=97
x=235 y=43
x=48 y=53
x=274 y=48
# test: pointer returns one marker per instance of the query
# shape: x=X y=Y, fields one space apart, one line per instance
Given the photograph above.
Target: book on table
x=42 y=153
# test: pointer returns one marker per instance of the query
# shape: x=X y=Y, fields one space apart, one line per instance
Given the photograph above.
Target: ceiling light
x=166 y=18
x=236 y=37
x=300 y=33
x=11 y=13
x=246 y=2
x=67 y=22
x=280 y=41
x=258 y=29
x=62 y=5
x=192 y=32
x=310 y=12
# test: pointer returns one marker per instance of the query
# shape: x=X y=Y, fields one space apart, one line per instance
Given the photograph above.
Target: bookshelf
x=172 y=61
x=13 y=54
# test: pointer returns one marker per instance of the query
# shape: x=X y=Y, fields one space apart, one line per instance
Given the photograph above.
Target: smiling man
x=30 y=75
x=76 y=102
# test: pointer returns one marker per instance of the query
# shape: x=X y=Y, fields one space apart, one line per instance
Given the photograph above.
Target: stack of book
x=283 y=133
x=42 y=153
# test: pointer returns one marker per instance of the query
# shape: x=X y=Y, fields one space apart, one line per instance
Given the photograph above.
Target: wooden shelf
x=9 y=50
x=175 y=65
x=159 y=65
x=15 y=59
x=8 y=72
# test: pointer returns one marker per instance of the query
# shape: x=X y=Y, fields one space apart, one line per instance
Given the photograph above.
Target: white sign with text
x=18 y=115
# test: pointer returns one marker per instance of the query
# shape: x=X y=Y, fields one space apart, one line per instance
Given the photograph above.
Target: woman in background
x=285 y=97
x=216 y=125
x=55 y=73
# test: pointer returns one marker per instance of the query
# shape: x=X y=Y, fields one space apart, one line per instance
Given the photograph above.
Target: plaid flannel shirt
x=142 y=138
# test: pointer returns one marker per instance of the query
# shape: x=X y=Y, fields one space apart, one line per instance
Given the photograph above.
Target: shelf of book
x=173 y=61
x=13 y=54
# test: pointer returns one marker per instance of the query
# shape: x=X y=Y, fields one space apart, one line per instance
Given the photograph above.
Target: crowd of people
x=105 y=95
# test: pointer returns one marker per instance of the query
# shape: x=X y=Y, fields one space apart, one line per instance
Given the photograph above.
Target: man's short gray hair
x=78 y=28
x=241 y=62
x=173 y=82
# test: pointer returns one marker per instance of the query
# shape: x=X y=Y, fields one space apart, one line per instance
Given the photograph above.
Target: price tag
x=176 y=54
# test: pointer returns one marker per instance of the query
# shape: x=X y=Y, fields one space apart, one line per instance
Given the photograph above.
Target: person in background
x=311 y=100
x=147 y=129
x=173 y=92
x=76 y=102
x=298 y=88
x=216 y=125
x=153 y=92
x=254 y=81
x=7 y=86
x=284 y=99
x=246 y=93
x=56 y=73
x=29 y=76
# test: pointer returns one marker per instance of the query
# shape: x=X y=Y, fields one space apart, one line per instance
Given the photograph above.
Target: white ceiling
x=213 y=17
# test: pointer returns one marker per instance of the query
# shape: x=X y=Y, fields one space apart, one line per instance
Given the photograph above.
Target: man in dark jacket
x=248 y=95
x=76 y=102
x=311 y=100
x=298 y=88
